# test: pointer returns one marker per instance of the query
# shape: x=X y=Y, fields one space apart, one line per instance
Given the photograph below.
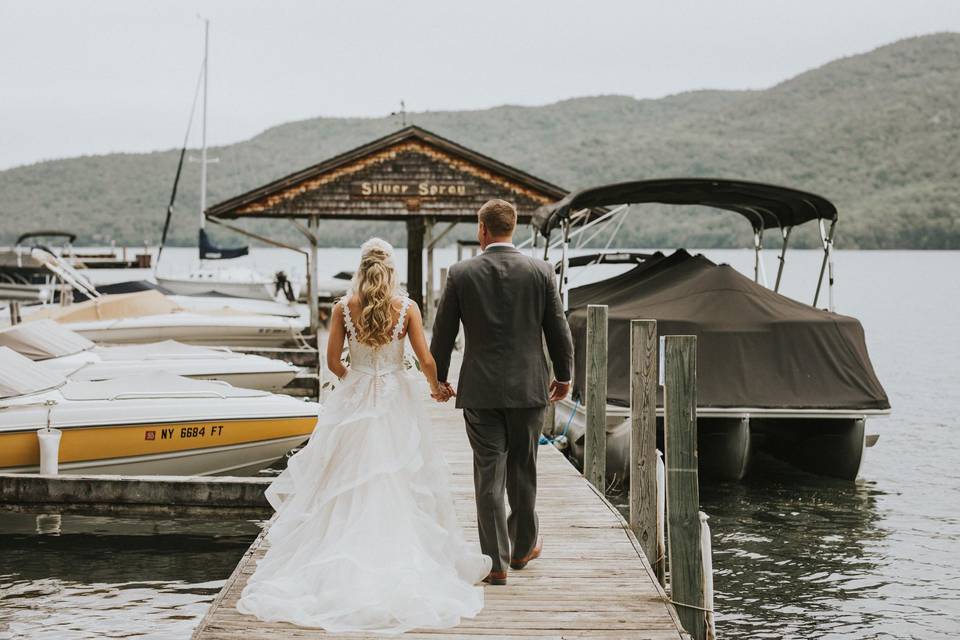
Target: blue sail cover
x=210 y=251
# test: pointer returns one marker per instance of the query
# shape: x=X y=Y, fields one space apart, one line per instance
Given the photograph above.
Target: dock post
x=683 y=492
x=313 y=224
x=595 y=453
x=643 y=439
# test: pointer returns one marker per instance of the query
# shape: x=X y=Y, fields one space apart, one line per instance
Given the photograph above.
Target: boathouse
x=412 y=176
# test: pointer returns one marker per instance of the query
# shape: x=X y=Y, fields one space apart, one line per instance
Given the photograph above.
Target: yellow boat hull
x=234 y=447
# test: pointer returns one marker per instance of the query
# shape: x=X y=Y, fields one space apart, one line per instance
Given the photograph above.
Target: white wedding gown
x=366 y=536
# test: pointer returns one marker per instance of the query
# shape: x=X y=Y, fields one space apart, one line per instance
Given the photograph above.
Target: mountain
x=877 y=133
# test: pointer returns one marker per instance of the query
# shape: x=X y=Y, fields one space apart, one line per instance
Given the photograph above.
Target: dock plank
x=591 y=581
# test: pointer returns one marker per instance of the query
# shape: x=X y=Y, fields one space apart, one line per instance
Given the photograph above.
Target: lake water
x=794 y=557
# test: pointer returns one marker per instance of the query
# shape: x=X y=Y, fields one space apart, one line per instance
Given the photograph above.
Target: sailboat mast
x=203 y=150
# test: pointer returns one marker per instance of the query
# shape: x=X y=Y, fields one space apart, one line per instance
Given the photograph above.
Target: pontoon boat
x=774 y=374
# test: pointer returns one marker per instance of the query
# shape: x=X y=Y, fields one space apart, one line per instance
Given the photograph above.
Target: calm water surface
x=70 y=577
x=794 y=556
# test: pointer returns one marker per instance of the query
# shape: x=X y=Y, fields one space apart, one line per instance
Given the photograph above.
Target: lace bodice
x=376 y=361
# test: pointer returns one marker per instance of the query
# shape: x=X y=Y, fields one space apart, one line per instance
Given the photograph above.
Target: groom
x=508 y=303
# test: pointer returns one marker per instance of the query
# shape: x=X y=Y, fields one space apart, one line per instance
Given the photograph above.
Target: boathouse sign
x=424 y=188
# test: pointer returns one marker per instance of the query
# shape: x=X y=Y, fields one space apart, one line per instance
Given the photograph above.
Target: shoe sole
x=520 y=565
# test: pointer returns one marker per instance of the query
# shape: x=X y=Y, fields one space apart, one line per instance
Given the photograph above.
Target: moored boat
x=149 y=316
x=774 y=374
x=56 y=348
x=157 y=423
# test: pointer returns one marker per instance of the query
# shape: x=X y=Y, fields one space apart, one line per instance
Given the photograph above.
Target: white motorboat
x=157 y=423
x=150 y=316
x=234 y=281
x=217 y=304
x=67 y=353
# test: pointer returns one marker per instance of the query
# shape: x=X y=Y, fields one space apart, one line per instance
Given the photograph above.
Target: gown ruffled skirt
x=366 y=537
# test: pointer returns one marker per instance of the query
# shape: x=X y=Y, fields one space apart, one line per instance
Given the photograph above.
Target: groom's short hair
x=499 y=217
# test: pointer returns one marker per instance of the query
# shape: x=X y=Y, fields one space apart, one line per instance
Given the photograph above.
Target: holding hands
x=442 y=391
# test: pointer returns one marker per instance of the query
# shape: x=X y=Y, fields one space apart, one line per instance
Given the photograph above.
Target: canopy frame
x=765 y=206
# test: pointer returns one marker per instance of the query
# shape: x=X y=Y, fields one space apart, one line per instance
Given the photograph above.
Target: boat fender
x=661 y=507
x=706 y=555
x=49 y=446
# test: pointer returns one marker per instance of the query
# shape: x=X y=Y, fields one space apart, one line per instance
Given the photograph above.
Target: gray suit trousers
x=504 y=443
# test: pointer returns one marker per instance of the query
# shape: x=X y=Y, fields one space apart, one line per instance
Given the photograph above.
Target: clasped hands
x=443 y=392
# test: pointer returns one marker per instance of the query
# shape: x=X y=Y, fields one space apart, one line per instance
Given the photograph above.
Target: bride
x=365 y=537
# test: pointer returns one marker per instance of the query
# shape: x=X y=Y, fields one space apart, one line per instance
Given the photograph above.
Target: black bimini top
x=765 y=206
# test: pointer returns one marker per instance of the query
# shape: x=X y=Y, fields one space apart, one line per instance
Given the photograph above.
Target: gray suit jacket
x=507 y=302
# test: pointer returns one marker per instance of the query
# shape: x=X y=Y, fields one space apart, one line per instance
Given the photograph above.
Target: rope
x=547 y=440
x=690 y=606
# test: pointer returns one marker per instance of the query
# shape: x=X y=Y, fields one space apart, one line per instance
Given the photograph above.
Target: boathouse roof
x=411 y=173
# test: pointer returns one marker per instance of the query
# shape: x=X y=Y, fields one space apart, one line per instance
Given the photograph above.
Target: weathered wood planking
x=683 y=493
x=592 y=580
x=643 y=439
x=595 y=446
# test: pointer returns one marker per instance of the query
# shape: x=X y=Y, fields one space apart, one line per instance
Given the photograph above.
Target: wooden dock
x=592 y=580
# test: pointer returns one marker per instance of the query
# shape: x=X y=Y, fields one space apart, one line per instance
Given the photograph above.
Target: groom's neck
x=506 y=239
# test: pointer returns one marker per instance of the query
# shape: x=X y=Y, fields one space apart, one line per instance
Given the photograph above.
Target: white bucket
x=49 y=450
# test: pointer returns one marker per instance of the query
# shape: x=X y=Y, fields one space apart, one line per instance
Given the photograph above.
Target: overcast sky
x=81 y=77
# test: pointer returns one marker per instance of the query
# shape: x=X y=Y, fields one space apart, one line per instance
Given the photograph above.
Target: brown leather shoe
x=496 y=577
x=520 y=563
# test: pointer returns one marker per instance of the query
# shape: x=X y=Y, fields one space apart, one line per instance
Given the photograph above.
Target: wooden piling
x=595 y=453
x=644 y=380
x=683 y=493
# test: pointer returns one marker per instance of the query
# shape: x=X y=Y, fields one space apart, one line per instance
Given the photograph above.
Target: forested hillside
x=877 y=133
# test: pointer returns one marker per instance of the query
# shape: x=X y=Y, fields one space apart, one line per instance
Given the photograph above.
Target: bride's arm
x=419 y=343
x=338 y=332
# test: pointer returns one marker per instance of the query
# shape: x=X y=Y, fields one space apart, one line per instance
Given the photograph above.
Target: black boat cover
x=210 y=251
x=755 y=347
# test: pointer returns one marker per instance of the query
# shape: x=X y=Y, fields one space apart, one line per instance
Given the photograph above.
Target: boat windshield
x=43 y=339
x=20 y=376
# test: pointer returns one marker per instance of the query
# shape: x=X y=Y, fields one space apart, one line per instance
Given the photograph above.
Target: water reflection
x=795 y=556
x=73 y=576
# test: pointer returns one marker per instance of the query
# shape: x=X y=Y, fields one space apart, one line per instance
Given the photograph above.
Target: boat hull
x=203 y=447
x=261 y=290
x=226 y=332
x=268 y=381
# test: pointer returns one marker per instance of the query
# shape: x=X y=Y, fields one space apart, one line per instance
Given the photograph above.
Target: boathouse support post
x=14 y=307
x=644 y=380
x=313 y=225
x=428 y=301
x=431 y=241
x=415 y=232
x=683 y=492
x=595 y=451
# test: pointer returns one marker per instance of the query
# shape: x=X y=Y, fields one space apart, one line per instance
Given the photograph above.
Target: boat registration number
x=170 y=433
x=199 y=432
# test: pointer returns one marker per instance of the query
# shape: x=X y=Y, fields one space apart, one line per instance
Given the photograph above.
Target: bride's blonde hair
x=375 y=285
